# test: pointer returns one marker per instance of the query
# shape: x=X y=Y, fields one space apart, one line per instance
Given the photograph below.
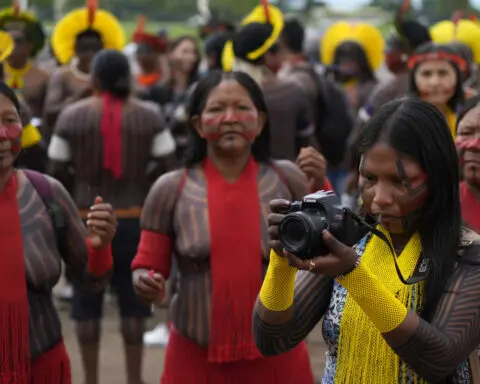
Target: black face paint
x=412 y=205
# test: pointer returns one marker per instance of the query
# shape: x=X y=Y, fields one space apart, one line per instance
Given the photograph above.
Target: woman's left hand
x=340 y=259
x=314 y=165
x=101 y=224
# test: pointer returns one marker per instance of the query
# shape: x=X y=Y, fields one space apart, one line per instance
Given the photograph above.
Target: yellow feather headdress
x=80 y=20
x=365 y=35
x=463 y=31
x=263 y=14
x=6 y=45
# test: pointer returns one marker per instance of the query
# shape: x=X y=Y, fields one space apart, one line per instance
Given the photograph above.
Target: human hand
x=314 y=165
x=101 y=224
x=340 y=259
x=149 y=286
x=277 y=208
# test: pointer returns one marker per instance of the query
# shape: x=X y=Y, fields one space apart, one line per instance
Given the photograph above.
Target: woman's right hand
x=149 y=286
x=278 y=208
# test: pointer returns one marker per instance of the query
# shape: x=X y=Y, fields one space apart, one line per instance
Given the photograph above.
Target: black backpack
x=334 y=122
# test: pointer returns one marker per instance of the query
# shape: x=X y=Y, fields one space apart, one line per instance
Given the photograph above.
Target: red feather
x=473 y=17
x=142 y=22
x=405 y=8
x=266 y=10
x=92 y=6
x=457 y=16
x=16 y=8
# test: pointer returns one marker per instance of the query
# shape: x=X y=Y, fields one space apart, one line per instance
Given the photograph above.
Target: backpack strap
x=44 y=190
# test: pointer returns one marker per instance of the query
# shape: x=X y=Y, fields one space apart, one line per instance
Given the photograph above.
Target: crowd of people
x=162 y=172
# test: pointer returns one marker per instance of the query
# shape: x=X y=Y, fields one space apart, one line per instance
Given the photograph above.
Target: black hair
x=353 y=51
x=197 y=150
x=248 y=39
x=293 y=35
x=9 y=93
x=458 y=97
x=2 y=72
x=111 y=71
x=215 y=43
x=419 y=130
x=470 y=104
x=175 y=43
x=89 y=33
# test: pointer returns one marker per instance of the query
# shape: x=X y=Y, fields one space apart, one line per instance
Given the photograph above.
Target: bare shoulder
x=469 y=246
x=149 y=108
x=166 y=184
x=40 y=73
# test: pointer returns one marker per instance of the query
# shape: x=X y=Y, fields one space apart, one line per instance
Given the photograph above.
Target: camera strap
x=422 y=269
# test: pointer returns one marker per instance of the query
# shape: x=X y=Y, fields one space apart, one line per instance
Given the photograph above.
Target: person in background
x=213 y=48
x=231 y=177
x=76 y=39
x=172 y=95
x=21 y=73
x=463 y=36
x=468 y=146
x=401 y=306
x=33 y=242
x=149 y=51
x=252 y=50
x=408 y=36
x=118 y=146
x=34 y=152
x=353 y=53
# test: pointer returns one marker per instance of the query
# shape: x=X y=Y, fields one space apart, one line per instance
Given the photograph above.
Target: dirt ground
x=112 y=365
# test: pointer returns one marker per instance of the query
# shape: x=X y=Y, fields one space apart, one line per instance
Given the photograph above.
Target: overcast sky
x=352 y=4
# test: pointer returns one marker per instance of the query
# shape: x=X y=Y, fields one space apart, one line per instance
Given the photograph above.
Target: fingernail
x=151 y=273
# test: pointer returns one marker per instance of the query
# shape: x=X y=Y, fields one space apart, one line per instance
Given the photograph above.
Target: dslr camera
x=300 y=231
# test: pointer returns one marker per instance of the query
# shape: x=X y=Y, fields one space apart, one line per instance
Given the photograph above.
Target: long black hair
x=197 y=150
x=417 y=129
x=458 y=97
x=111 y=71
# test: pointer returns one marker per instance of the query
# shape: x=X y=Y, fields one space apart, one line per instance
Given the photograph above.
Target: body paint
x=248 y=121
x=13 y=133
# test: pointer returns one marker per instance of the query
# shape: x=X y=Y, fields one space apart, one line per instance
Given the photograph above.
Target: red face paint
x=468 y=144
x=217 y=125
x=13 y=133
x=446 y=92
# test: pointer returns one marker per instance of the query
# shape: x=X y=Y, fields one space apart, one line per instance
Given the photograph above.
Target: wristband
x=278 y=286
x=380 y=305
x=99 y=260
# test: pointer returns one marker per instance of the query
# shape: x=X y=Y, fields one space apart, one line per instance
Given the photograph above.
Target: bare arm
x=434 y=349
x=277 y=331
x=74 y=236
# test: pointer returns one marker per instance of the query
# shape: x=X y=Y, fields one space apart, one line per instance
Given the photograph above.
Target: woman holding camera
x=213 y=216
x=377 y=328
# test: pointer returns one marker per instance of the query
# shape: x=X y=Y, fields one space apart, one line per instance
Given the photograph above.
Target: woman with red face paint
x=435 y=77
x=401 y=306
x=40 y=227
x=468 y=147
x=213 y=216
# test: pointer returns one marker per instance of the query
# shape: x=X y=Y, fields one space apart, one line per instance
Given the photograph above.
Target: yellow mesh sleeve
x=380 y=305
x=279 y=284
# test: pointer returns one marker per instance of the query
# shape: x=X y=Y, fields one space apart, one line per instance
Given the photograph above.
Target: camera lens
x=301 y=233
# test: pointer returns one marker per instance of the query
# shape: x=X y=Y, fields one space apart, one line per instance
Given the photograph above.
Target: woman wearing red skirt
x=212 y=215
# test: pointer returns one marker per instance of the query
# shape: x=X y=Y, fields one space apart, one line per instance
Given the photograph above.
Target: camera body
x=300 y=231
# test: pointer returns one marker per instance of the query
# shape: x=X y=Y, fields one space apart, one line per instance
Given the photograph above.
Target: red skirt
x=187 y=363
x=53 y=367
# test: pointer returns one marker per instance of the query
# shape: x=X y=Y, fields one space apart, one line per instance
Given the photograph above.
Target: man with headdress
x=21 y=73
x=291 y=119
x=33 y=154
x=149 y=51
x=75 y=40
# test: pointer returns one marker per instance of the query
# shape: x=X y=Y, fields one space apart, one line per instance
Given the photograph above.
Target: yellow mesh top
x=366 y=35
